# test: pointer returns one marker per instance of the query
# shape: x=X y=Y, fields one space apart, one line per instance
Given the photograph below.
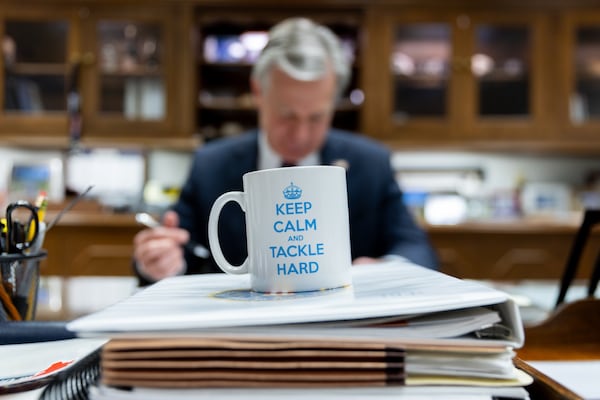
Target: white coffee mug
x=297 y=229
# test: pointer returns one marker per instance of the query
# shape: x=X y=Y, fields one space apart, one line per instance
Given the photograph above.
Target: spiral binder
x=74 y=383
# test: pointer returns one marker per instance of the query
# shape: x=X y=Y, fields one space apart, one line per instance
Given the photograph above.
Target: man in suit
x=296 y=81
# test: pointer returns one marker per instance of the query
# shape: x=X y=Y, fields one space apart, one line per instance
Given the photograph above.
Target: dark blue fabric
x=33 y=331
x=380 y=224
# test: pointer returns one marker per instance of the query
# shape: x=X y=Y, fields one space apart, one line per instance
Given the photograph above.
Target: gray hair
x=303 y=50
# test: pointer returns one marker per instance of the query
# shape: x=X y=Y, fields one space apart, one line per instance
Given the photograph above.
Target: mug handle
x=213 y=232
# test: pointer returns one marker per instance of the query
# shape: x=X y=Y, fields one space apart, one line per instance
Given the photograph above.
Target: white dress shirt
x=268 y=158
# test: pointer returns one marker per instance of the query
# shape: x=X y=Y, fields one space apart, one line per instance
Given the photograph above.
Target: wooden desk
x=510 y=250
x=569 y=334
x=90 y=244
x=544 y=387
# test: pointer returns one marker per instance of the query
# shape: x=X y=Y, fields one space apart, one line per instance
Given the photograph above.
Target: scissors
x=22 y=226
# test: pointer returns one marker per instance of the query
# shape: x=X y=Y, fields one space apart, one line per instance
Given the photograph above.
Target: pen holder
x=20 y=277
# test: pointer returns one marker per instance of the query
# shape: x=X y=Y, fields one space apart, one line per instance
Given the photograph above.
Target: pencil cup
x=20 y=277
x=297 y=229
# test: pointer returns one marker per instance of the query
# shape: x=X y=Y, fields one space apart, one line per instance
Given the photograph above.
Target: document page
x=31 y=365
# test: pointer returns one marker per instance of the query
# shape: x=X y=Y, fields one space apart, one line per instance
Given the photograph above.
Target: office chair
x=590 y=218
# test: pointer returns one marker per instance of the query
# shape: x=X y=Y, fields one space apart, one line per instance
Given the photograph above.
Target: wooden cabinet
x=90 y=244
x=456 y=76
x=433 y=76
x=510 y=251
x=96 y=71
x=229 y=41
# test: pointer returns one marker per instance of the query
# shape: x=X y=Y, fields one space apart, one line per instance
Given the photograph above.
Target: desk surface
x=545 y=387
x=566 y=347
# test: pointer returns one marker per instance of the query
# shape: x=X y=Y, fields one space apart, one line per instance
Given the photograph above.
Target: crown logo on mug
x=292 y=192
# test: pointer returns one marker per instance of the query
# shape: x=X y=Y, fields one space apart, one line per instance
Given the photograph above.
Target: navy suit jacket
x=380 y=224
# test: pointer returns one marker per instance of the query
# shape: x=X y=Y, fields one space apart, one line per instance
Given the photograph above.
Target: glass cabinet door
x=420 y=64
x=129 y=74
x=131 y=80
x=35 y=67
x=508 y=76
x=38 y=47
x=585 y=92
x=579 y=64
x=500 y=66
x=416 y=81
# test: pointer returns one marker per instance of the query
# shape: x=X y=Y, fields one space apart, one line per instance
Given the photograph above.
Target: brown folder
x=204 y=362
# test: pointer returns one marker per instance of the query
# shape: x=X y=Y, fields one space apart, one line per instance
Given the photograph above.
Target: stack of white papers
x=208 y=329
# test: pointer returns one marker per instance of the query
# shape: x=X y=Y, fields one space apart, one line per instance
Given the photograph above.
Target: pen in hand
x=197 y=249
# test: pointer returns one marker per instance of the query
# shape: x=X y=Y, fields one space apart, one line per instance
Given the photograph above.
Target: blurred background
x=492 y=111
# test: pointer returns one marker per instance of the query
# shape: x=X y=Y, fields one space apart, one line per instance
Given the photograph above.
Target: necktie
x=286 y=164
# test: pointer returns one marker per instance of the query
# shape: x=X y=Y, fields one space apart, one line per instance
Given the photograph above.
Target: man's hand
x=158 y=251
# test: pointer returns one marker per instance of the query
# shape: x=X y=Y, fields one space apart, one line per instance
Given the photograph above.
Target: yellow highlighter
x=41 y=204
x=3 y=238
